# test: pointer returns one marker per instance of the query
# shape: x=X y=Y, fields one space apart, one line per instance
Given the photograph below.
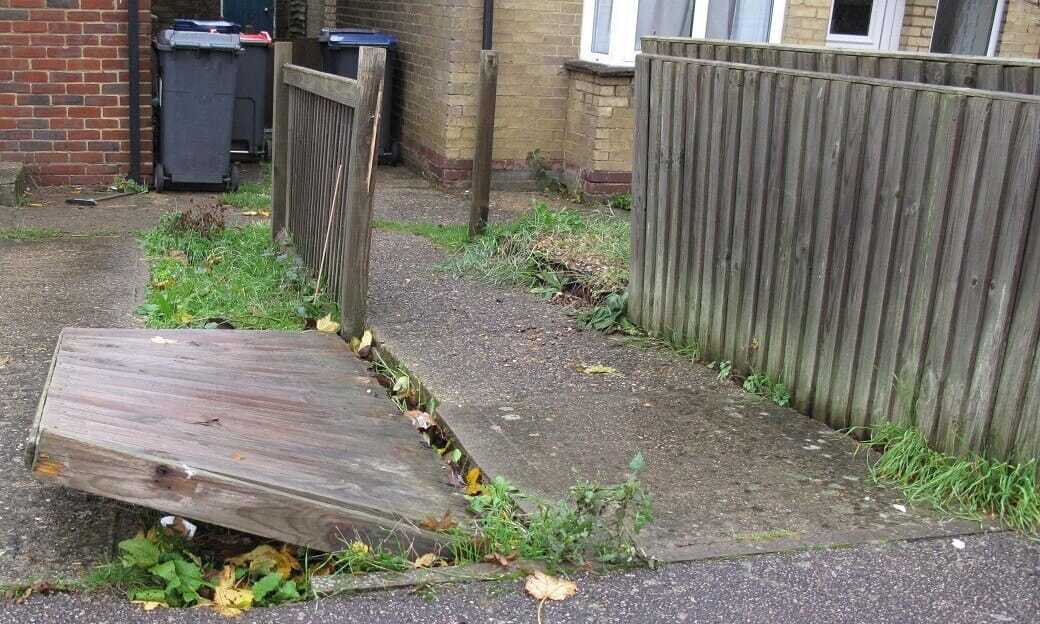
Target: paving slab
x=48 y=531
x=730 y=472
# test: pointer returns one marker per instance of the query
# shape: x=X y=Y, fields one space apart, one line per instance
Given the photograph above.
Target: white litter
x=958 y=544
x=188 y=472
x=899 y=508
x=179 y=523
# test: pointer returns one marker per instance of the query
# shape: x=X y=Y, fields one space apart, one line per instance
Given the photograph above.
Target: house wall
x=63 y=92
x=918 y=22
x=805 y=22
x=600 y=126
x=1020 y=34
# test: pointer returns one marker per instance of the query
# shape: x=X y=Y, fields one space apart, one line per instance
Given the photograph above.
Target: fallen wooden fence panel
x=874 y=244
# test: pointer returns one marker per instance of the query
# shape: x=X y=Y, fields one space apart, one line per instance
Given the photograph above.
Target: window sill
x=599 y=69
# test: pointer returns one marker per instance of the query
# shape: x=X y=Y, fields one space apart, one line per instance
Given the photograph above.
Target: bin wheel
x=160 y=178
x=236 y=177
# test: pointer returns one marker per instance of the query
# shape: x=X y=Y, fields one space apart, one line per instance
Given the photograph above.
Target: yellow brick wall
x=918 y=21
x=1020 y=34
x=805 y=22
x=600 y=125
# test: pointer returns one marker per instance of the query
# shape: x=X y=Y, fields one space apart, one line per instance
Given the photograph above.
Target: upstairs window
x=611 y=29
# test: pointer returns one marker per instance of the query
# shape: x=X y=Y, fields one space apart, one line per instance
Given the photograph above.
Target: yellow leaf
x=36 y=204
x=426 y=561
x=264 y=213
x=265 y=559
x=166 y=283
x=149 y=605
x=250 y=213
x=596 y=369
x=238 y=456
x=473 y=485
x=4 y=361
x=228 y=599
x=186 y=318
x=433 y=524
x=163 y=341
x=544 y=587
x=326 y=324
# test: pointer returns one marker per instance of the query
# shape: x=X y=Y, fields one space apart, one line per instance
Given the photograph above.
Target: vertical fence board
x=638 y=218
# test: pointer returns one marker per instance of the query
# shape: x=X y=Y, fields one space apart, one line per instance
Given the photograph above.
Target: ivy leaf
x=287 y=592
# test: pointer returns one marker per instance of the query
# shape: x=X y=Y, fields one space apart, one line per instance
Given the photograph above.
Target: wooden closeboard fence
x=982 y=72
x=874 y=244
x=323 y=165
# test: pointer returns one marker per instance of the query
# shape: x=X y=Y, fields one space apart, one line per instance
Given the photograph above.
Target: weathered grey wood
x=640 y=155
x=480 y=189
x=865 y=238
x=328 y=86
x=991 y=73
x=283 y=434
x=280 y=140
x=357 y=238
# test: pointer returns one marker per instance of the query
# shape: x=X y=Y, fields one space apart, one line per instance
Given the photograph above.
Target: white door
x=871 y=24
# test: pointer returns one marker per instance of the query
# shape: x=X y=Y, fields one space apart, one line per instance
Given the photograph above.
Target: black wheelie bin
x=197 y=73
x=340 y=49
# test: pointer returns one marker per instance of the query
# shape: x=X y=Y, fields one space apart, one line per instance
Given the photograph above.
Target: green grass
x=250 y=196
x=970 y=486
x=236 y=274
x=29 y=233
x=765 y=536
x=452 y=237
x=765 y=386
x=552 y=250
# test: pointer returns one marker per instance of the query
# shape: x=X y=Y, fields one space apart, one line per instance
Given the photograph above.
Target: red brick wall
x=63 y=89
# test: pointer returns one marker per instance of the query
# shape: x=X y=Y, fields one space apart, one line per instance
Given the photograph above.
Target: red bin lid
x=262 y=37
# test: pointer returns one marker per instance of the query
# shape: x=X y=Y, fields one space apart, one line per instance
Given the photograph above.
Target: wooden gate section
x=323 y=165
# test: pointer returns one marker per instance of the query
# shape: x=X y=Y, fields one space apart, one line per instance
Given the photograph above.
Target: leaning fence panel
x=323 y=174
x=871 y=243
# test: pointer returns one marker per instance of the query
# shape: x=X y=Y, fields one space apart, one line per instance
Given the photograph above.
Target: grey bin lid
x=189 y=40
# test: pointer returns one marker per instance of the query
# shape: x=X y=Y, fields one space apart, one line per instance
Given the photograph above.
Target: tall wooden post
x=481 y=177
x=353 y=288
x=280 y=139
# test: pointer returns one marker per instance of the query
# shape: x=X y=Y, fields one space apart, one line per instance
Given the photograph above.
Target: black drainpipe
x=489 y=23
x=133 y=34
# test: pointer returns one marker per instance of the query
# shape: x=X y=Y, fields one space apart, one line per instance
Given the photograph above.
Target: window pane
x=743 y=20
x=601 y=26
x=963 y=27
x=666 y=18
x=851 y=17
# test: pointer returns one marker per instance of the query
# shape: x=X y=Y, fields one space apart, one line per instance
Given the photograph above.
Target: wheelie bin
x=197 y=72
x=252 y=91
x=340 y=49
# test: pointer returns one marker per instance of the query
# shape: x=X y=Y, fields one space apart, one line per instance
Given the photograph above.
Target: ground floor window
x=967 y=26
x=873 y=24
x=611 y=29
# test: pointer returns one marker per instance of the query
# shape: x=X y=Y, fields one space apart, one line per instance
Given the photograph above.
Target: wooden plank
x=638 y=217
x=677 y=164
x=353 y=290
x=280 y=141
x=696 y=322
x=733 y=83
x=653 y=198
x=298 y=427
x=481 y=178
x=346 y=91
x=711 y=341
x=665 y=156
x=686 y=206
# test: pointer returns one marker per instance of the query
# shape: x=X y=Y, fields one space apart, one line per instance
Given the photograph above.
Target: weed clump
x=970 y=486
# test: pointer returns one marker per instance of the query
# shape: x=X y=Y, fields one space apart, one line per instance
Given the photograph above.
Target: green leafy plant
x=608 y=316
x=620 y=201
x=542 y=170
x=970 y=486
x=763 y=385
x=598 y=524
x=127 y=185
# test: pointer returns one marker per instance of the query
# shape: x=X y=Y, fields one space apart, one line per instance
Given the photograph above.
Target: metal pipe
x=133 y=35
x=489 y=24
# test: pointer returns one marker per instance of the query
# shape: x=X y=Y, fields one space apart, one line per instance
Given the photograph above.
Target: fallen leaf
x=264 y=213
x=149 y=605
x=36 y=204
x=473 y=486
x=544 y=587
x=420 y=419
x=163 y=341
x=426 y=561
x=186 y=318
x=362 y=343
x=249 y=213
x=326 y=324
x=503 y=560
x=265 y=559
x=238 y=456
x=161 y=284
x=596 y=369
x=433 y=524
x=4 y=361
x=178 y=255
x=228 y=599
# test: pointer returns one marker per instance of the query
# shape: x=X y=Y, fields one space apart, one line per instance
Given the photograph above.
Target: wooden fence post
x=353 y=288
x=280 y=135
x=481 y=176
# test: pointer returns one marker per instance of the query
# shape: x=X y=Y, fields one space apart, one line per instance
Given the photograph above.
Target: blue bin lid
x=197 y=25
x=352 y=37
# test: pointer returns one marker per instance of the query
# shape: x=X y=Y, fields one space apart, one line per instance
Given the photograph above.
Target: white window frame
x=886 y=24
x=999 y=12
x=623 y=29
